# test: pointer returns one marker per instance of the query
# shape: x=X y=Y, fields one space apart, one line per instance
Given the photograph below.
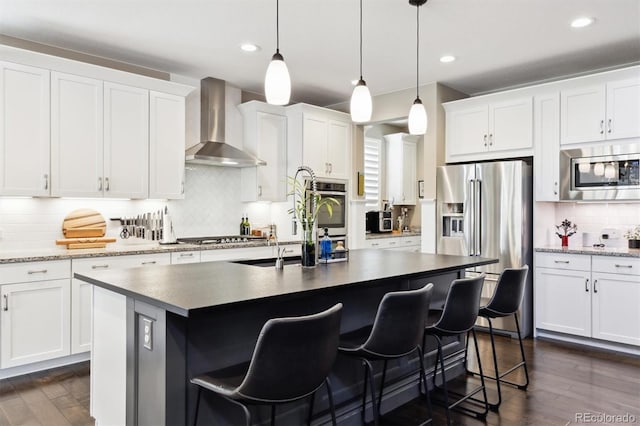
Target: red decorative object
x=565 y=240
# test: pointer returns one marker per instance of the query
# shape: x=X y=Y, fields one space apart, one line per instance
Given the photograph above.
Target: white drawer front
x=239 y=253
x=116 y=262
x=616 y=265
x=35 y=271
x=575 y=262
x=185 y=257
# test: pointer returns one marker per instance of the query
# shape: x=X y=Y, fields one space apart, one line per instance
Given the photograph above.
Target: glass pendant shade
x=277 y=82
x=598 y=169
x=361 y=104
x=584 y=167
x=417 y=118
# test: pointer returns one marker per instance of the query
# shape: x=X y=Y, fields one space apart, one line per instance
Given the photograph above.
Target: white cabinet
x=546 y=135
x=401 y=169
x=498 y=126
x=411 y=243
x=24 y=130
x=600 y=111
x=616 y=297
x=34 y=320
x=166 y=145
x=326 y=140
x=589 y=296
x=82 y=291
x=246 y=253
x=76 y=136
x=185 y=257
x=265 y=137
x=126 y=141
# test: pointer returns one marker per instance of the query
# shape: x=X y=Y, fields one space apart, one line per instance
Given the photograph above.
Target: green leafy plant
x=633 y=234
x=304 y=200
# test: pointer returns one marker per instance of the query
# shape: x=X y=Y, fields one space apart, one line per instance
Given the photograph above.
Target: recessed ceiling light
x=581 y=22
x=447 y=58
x=249 y=47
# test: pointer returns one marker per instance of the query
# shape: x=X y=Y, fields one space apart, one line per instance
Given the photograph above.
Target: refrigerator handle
x=472 y=218
x=477 y=209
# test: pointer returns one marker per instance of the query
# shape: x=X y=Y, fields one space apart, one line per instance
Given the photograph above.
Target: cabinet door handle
x=374 y=244
x=595 y=283
x=182 y=187
x=609 y=126
x=288 y=251
x=392 y=243
x=259 y=190
x=105 y=266
x=555 y=188
x=99 y=184
x=106 y=184
x=6 y=302
x=601 y=127
x=623 y=266
x=46 y=181
x=150 y=262
x=490 y=139
x=186 y=254
x=40 y=271
x=485 y=140
x=586 y=285
x=561 y=261
x=330 y=168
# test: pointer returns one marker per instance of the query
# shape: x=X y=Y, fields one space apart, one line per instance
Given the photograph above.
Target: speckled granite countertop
x=19 y=256
x=604 y=251
x=372 y=236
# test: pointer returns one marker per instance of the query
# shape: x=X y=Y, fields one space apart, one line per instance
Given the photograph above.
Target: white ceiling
x=499 y=43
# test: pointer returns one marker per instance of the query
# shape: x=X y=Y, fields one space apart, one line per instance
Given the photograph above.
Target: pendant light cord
x=360 y=39
x=277 y=26
x=417 y=51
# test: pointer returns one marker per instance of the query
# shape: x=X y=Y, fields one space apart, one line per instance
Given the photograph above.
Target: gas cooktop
x=227 y=239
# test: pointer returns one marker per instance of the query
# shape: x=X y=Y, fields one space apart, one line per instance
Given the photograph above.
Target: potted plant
x=568 y=229
x=633 y=235
x=306 y=216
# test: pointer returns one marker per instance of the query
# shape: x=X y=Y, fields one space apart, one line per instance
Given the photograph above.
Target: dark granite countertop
x=604 y=251
x=19 y=256
x=182 y=289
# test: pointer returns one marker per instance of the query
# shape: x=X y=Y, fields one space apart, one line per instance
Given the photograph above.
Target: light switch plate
x=147 y=335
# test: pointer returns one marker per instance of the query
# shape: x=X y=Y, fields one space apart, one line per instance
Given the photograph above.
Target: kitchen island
x=154 y=328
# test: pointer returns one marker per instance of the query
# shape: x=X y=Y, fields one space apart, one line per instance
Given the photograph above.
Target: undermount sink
x=270 y=262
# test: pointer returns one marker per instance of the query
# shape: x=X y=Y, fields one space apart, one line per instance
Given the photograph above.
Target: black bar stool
x=291 y=360
x=458 y=316
x=506 y=301
x=396 y=332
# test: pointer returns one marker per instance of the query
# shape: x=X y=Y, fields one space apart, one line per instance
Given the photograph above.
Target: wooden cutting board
x=85 y=223
x=75 y=243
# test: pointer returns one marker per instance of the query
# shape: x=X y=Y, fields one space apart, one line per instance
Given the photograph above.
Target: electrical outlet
x=148 y=333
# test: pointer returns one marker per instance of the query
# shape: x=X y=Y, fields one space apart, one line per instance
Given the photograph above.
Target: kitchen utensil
x=84 y=223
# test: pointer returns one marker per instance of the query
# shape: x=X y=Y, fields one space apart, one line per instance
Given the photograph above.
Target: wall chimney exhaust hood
x=213 y=150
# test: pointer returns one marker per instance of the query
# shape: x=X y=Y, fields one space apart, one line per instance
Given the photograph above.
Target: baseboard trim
x=43 y=365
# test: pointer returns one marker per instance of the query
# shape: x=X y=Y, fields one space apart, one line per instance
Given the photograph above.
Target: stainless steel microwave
x=606 y=173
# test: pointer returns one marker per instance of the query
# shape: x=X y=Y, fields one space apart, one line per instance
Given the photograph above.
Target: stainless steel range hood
x=213 y=150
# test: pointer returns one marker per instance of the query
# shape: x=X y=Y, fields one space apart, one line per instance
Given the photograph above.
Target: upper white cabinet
x=126 y=141
x=489 y=127
x=546 y=134
x=24 y=130
x=326 y=140
x=76 y=136
x=265 y=137
x=401 y=169
x=166 y=145
x=600 y=111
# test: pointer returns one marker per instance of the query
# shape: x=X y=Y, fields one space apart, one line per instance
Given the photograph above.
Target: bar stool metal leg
x=423 y=379
x=313 y=397
x=195 y=419
x=327 y=382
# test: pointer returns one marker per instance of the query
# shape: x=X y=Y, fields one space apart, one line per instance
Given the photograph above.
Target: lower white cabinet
x=589 y=296
x=395 y=243
x=185 y=257
x=35 y=317
x=247 y=253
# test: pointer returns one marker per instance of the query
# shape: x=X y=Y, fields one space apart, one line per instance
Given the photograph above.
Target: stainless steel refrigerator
x=485 y=209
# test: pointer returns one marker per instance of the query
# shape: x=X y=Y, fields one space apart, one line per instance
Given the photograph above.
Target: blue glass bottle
x=325 y=245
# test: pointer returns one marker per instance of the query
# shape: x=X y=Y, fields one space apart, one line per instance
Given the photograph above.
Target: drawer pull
x=595 y=283
x=287 y=251
x=6 y=302
x=623 y=266
x=392 y=243
x=105 y=266
x=41 y=271
x=151 y=262
x=186 y=254
x=561 y=261
x=586 y=285
x=374 y=244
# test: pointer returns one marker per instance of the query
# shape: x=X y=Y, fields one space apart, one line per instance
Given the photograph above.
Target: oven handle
x=332 y=192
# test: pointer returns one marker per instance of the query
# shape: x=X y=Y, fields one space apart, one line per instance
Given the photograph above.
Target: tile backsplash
x=597 y=218
x=211 y=206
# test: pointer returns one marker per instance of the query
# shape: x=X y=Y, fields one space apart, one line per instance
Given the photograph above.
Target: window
x=372 y=173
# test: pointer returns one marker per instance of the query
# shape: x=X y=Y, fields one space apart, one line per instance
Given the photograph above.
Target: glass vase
x=309 y=243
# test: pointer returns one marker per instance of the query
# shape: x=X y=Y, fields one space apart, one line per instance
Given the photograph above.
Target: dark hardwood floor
x=565 y=380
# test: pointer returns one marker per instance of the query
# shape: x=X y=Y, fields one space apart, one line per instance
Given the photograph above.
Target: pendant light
x=277 y=83
x=417 y=113
x=361 y=105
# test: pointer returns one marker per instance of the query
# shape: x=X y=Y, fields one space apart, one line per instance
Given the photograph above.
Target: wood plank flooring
x=565 y=380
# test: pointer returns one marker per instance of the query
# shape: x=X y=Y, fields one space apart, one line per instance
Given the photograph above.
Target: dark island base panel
x=226 y=336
